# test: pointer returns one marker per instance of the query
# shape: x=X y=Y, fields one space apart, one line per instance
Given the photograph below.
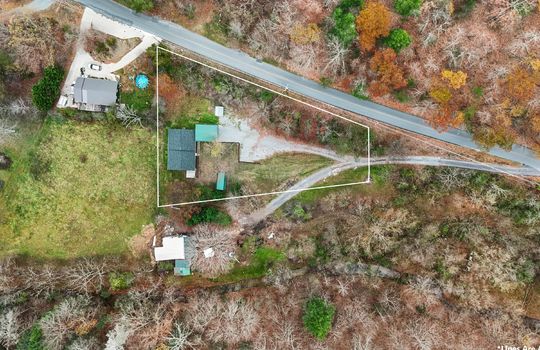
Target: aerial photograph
x=269 y=175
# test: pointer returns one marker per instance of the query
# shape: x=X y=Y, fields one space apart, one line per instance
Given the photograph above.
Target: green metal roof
x=206 y=132
x=181 y=268
x=220 y=184
x=181 y=149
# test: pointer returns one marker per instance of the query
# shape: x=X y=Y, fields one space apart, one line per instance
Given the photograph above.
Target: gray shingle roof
x=181 y=149
x=92 y=91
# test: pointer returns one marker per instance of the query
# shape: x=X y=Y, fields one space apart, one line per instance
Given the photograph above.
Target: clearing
x=78 y=190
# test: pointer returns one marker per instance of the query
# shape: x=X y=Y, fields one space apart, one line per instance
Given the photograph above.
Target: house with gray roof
x=181 y=147
x=95 y=94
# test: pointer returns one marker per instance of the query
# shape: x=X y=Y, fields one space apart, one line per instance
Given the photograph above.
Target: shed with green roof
x=206 y=132
x=220 y=184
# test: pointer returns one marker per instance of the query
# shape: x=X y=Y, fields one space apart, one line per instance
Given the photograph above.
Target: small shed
x=206 y=132
x=219 y=111
x=220 y=183
x=182 y=268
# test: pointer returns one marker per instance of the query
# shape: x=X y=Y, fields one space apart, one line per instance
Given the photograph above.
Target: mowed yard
x=77 y=189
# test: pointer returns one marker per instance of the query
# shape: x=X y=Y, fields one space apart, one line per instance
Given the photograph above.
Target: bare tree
x=179 y=337
x=57 y=325
x=86 y=275
x=221 y=241
x=117 y=337
x=337 y=54
x=9 y=328
x=127 y=116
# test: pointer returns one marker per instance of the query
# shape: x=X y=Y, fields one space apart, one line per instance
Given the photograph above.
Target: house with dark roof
x=181 y=148
x=95 y=94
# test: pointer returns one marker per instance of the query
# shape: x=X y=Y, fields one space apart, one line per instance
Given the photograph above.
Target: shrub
x=210 y=215
x=359 y=91
x=32 y=339
x=47 y=90
x=398 y=39
x=138 y=5
x=318 y=317
x=344 y=28
x=120 y=280
x=407 y=7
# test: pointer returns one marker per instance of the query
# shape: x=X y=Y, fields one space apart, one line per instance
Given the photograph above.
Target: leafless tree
x=86 y=343
x=10 y=328
x=57 y=325
x=337 y=54
x=223 y=244
x=86 y=275
x=117 y=337
x=179 y=337
x=360 y=342
x=237 y=323
x=127 y=116
x=42 y=280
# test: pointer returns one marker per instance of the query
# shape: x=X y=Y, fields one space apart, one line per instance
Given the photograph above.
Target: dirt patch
x=107 y=48
x=217 y=157
x=141 y=244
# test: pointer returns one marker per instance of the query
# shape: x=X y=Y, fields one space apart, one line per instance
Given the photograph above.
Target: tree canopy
x=372 y=23
x=318 y=317
x=398 y=39
x=46 y=91
x=407 y=7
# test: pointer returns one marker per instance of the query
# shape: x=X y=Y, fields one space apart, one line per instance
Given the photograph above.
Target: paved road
x=244 y=63
x=335 y=169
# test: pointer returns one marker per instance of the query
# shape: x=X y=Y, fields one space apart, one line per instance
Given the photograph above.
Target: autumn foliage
x=372 y=23
x=389 y=74
x=520 y=85
x=455 y=79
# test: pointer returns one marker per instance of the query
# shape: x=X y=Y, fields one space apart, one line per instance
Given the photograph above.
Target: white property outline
x=262 y=87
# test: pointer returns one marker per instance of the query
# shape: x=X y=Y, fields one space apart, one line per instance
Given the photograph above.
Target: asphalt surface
x=335 y=169
x=288 y=81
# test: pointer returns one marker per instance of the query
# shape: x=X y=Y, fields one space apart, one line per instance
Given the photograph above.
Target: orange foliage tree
x=389 y=74
x=372 y=23
x=520 y=85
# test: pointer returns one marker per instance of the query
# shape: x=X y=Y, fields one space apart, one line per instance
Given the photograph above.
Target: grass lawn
x=76 y=190
x=139 y=100
x=281 y=171
x=378 y=180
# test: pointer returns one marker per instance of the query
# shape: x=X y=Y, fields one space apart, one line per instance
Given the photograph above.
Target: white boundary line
x=159 y=205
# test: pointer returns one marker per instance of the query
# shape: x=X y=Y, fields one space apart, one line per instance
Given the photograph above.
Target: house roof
x=93 y=91
x=206 y=132
x=181 y=149
x=172 y=248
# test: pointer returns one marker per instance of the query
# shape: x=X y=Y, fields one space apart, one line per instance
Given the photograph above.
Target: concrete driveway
x=82 y=59
x=255 y=146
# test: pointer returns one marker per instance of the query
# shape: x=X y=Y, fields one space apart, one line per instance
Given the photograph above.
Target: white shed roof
x=172 y=249
x=219 y=111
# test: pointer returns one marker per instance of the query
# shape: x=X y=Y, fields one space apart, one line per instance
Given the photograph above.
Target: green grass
x=139 y=100
x=378 y=179
x=318 y=317
x=77 y=190
x=275 y=171
x=260 y=263
x=217 y=30
x=189 y=121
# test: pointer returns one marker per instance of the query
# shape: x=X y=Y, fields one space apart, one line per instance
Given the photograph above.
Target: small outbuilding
x=220 y=183
x=177 y=248
x=219 y=111
x=206 y=132
x=181 y=148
